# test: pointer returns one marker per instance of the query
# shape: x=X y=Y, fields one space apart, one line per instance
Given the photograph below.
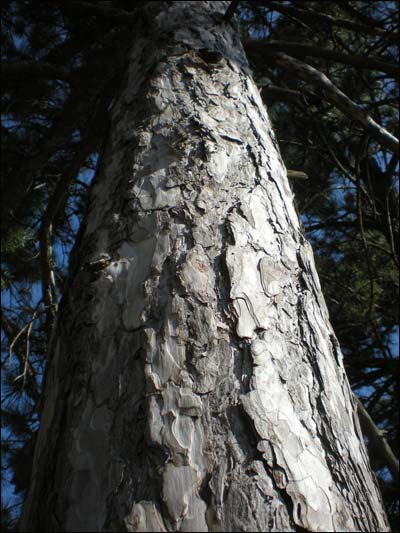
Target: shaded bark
x=195 y=382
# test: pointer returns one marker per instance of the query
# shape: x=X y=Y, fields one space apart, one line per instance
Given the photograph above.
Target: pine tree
x=195 y=382
x=62 y=66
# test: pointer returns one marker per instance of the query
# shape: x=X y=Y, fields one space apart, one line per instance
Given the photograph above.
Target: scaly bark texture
x=195 y=382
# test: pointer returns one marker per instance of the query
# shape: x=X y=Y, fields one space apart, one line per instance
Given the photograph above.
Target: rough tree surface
x=195 y=382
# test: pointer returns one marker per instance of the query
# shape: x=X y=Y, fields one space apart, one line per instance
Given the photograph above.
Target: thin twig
x=28 y=333
x=12 y=343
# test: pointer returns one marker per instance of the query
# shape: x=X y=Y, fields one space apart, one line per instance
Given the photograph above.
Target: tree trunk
x=195 y=382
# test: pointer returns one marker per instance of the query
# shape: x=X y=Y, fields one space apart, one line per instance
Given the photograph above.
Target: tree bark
x=194 y=382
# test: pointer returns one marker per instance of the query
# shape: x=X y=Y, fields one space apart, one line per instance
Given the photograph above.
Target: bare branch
x=13 y=335
x=12 y=343
x=55 y=203
x=357 y=13
x=335 y=95
x=27 y=339
x=378 y=441
x=297 y=175
x=313 y=16
x=364 y=62
x=58 y=199
x=281 y=93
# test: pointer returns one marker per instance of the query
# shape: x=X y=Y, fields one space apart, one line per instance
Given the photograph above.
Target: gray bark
x=195 y=383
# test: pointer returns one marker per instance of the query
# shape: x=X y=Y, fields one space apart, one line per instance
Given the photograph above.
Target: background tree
x=62 y=66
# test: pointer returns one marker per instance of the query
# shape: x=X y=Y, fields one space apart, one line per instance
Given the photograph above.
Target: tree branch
x=58 y=199
x=27 y=347
x=357 y=14
x=364 y=62
x=13 y=335
x=334 y=94
x=378 y=441
x=297 y=175
x=282 y=93
x=311 y=15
